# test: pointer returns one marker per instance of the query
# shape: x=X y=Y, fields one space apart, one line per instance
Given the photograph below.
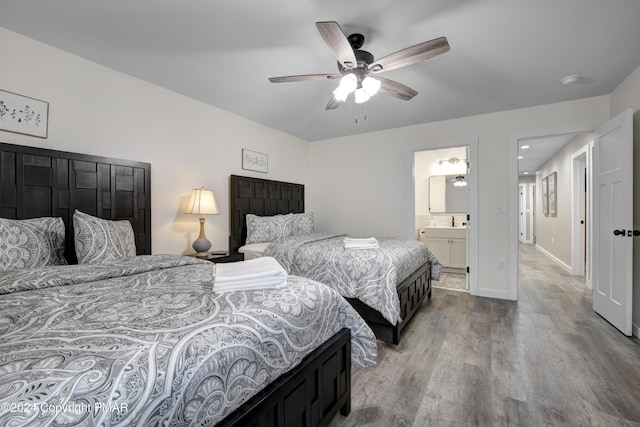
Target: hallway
x=547 y=359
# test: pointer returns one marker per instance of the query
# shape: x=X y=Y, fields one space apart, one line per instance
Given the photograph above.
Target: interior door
x=613 y=221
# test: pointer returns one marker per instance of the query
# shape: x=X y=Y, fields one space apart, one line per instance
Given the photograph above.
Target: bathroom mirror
x=448 y=193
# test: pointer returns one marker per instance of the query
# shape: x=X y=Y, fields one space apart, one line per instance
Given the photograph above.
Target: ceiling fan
x=356 y=66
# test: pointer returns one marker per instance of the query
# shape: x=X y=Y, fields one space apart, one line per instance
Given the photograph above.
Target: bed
x=386 y=286
x=143 y=340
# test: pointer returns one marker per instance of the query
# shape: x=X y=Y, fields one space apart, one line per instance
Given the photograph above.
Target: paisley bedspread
x=145 y=342
x=370 y=275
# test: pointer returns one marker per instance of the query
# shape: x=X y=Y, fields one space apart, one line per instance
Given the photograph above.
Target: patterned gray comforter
x=145 y=342
x=370 y=275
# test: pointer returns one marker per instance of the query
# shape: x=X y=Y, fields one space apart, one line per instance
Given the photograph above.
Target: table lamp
x=202 y=202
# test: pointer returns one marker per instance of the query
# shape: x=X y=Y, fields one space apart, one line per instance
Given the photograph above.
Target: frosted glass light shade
x=371 y=85
x=349 y=83
x=361 y=95
x=340 y=94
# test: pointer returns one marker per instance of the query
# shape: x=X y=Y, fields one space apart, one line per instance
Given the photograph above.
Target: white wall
x=553 y=233
x=627 y=95
x=96 y=110
x=359 y=181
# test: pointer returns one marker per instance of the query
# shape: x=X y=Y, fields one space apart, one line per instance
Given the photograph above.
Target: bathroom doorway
x=441 y=182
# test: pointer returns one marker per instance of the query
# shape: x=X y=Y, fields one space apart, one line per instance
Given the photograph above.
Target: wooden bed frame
x=266 y=197
x=311 y=394
x=39 y=182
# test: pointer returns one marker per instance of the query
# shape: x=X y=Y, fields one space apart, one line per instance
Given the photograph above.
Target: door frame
x=580 y=212
x=472 y=178
x=514 y=143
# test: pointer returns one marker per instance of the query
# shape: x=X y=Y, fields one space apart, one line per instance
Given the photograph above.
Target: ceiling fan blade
x=411 y=55
x=304 y=77
x=337 y=42
x=333 y=103
x=395 y=89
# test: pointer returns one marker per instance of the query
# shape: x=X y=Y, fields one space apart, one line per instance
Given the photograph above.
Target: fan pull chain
x=355 y=111
x=364 y=111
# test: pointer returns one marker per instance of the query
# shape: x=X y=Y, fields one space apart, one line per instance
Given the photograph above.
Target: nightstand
x=221 y=256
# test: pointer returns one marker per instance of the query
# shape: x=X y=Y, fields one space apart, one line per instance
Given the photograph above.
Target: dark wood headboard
x=259 y=197
x=37 y=182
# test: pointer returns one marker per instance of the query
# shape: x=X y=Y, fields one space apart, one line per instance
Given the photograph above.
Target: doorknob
x=618 y=232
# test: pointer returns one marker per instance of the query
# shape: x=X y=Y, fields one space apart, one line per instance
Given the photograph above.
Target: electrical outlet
x=502 y=264
x=501 y=210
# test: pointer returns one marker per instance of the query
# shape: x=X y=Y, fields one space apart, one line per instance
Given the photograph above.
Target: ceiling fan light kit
x=355 y=64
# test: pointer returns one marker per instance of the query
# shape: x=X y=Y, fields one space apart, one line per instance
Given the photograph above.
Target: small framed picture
x=545 y=196
x=21 y=114
x=254 y=161
x=552 y=194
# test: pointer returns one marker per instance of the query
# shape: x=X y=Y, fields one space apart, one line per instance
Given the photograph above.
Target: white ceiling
x=539 y=150
x=505 y=54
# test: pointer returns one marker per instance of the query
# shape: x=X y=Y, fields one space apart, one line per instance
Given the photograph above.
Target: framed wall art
x=254 y=161
x=552 y=193
x=21 y=114
x=545 y=196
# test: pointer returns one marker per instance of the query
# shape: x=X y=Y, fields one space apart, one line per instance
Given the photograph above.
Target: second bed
x=386 y=284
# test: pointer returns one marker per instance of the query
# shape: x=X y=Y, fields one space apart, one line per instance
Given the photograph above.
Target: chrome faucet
x=453 y=221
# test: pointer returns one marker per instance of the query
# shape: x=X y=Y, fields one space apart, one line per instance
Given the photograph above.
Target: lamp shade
x=361 y=95
x=371 y=85
x=202 y=202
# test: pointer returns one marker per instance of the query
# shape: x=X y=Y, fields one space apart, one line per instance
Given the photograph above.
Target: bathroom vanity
x=448 y=244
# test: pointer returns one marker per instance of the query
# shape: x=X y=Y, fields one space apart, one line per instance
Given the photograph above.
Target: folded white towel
x=259 y=273
x=360 y=240
x=364 y=243
x=355 y=246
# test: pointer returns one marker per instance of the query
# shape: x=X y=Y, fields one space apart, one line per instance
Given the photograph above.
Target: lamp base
x=201 y=246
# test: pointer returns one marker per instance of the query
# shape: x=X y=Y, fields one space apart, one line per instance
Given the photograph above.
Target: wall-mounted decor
x=254 y=161
x=552 y=194
x=21 y=114
x=545 y=196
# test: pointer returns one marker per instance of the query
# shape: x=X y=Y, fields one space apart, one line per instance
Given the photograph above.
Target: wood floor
x=545 y=360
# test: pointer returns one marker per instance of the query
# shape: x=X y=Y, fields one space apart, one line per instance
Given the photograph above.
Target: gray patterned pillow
x=267 y=228
x=99 y=240
x=31 y=243
x=302 y=223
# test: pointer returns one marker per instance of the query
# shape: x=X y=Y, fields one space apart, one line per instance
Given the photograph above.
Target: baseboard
x=554 y=258
x=635 y=330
